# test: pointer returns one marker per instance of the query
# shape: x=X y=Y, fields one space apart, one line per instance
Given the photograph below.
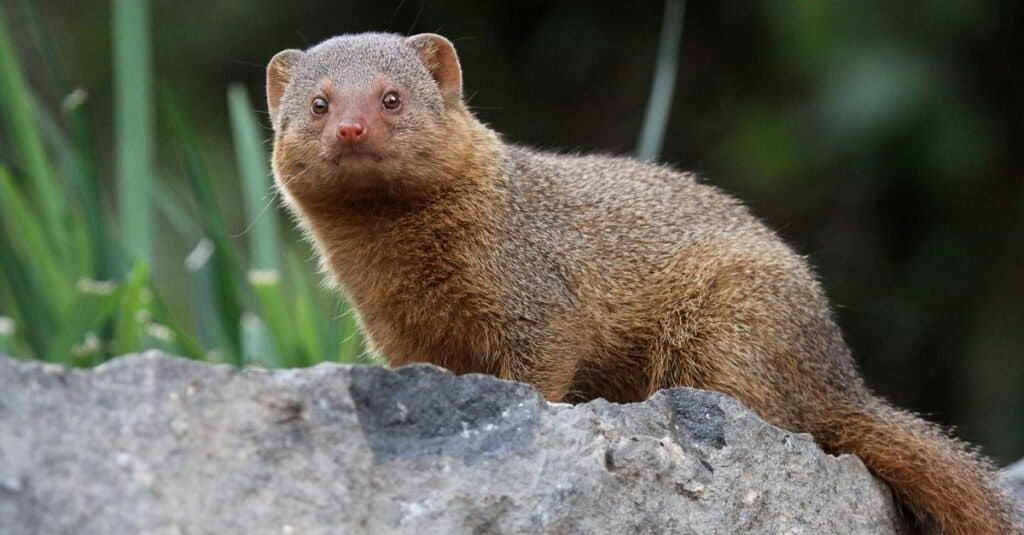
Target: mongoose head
x=365 y=116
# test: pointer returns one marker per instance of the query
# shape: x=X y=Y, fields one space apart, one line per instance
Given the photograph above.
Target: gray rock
x=156 y=444
x=1013 y=478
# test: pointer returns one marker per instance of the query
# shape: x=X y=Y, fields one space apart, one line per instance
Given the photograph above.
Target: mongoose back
x=585 y=276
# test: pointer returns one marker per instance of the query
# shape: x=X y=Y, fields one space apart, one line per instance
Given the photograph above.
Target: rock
x=157 y=444
x=1013 y=478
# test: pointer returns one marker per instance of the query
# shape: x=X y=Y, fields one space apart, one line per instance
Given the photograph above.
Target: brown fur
x=584 y=276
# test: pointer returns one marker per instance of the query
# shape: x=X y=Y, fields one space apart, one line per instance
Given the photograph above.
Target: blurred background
x=881 y=139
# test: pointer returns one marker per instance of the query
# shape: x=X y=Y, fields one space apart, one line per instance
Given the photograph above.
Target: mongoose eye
x=391 y=101
x=319 y=106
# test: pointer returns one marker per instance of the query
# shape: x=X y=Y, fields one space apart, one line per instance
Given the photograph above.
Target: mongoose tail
x=938 y=477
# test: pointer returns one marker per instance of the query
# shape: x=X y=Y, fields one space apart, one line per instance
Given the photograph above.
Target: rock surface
x=156 y=444
x=1013 y=477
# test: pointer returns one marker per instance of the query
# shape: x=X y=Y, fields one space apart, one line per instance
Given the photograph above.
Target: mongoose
x=585 y=276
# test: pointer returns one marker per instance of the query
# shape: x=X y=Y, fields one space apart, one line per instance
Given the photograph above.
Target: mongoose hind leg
x=789 y=365
x=749 y=320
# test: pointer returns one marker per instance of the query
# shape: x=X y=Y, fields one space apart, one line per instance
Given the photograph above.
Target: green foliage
x=134 y=121
x=24 y=138
x=879 y=138
x=78 y=287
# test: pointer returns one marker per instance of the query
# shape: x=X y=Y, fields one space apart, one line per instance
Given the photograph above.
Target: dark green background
x=882 y=139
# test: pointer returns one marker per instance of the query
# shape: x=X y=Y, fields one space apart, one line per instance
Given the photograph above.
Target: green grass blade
x=133 y=125
x=17 y=109
x=82 y=234
x=224 y=264
x=132 y=311
x=7 y=331
x=308 y=319
x=257 y=347
x=214 y=331
x=23 y=290
x=106 y=254
x=8 y=302
x=279 y=324
x=44 y=46
x=160 y=336
x=261 y=214
x=180 y=341
x=652 y=135
x=76 y=162
x=80 y=253
x=171 y=207
x=94 y=305
x=27 y=241
x=350 y=340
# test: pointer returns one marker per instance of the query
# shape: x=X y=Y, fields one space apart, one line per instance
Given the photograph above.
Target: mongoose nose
x=351 y=131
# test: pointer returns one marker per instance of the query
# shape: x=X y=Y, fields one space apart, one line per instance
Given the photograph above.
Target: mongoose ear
x=438 y=54
x=279 y=74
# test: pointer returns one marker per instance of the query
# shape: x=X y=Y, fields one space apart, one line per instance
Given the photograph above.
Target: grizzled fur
x=586 y=276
